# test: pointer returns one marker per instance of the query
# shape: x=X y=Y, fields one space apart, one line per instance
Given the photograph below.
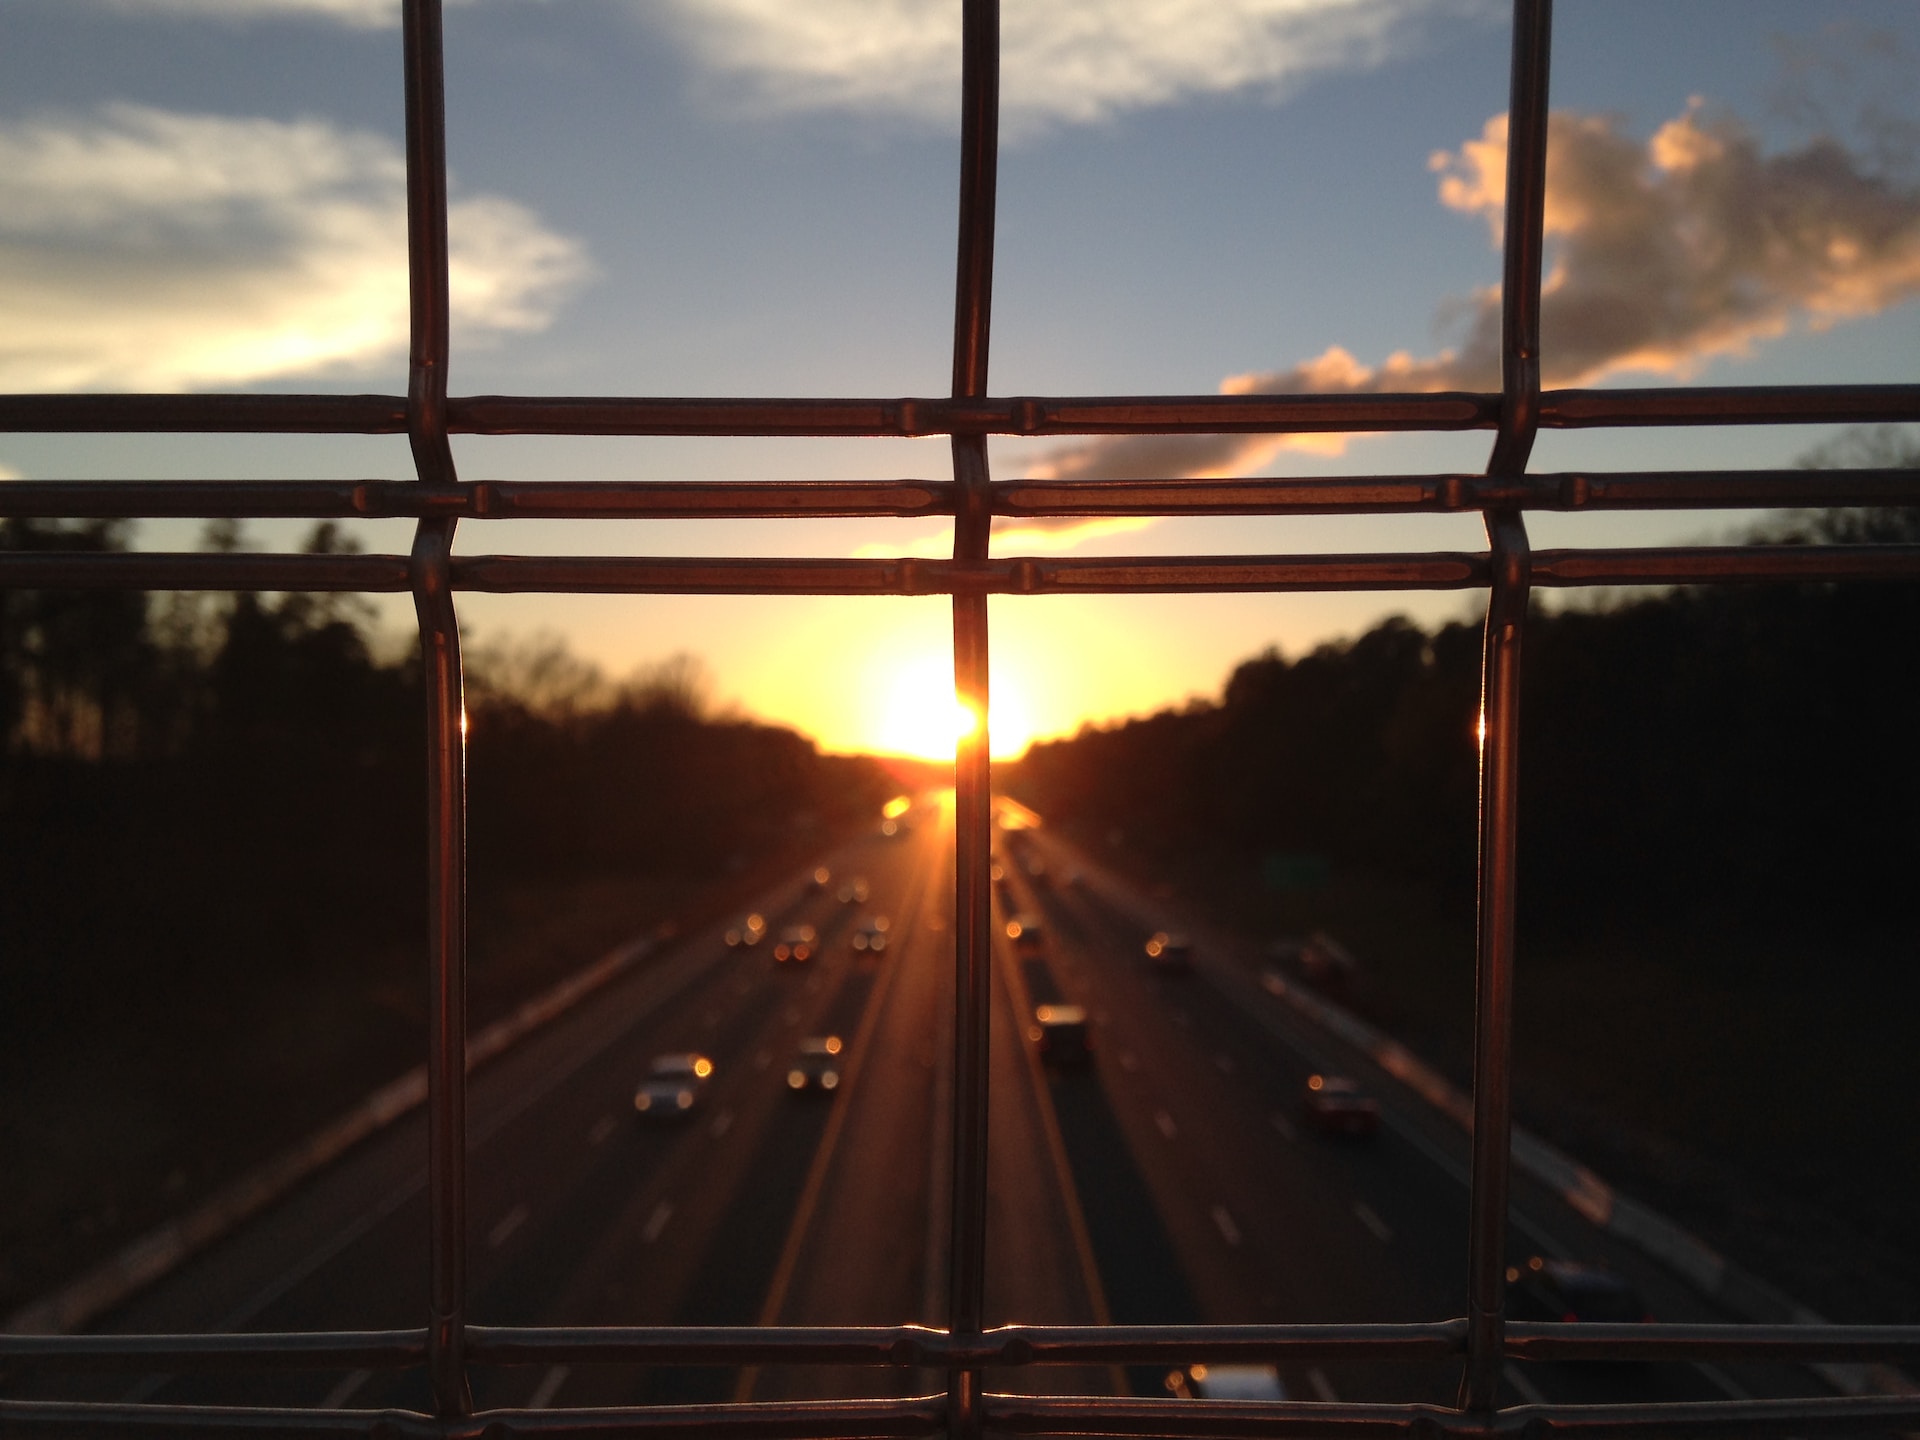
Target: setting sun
x=921 y=716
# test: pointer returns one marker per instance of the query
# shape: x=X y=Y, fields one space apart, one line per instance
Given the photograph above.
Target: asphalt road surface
x=1171 y=1180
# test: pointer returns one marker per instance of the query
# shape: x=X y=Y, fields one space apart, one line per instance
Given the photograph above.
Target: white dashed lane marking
x=722 y=1123
x=548 y=1387
x=1528 y=1391
x=345 y=1390
x=1229 y=1231
x=1373 y=1222
x=1165 y=1122
x=602 y=1128
x=657 y=1221
x=1283 y=1125
x=508 y=1223
x=1322 y=1387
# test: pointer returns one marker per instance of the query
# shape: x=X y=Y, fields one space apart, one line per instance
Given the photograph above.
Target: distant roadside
x=213 y=812
x=1720 y=822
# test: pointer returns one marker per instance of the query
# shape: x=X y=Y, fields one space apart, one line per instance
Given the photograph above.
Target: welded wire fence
x=446 y=1344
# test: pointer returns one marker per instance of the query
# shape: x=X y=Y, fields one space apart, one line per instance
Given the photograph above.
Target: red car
x=1337 y=1106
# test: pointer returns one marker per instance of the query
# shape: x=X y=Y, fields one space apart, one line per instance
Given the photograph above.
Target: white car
x=1227 y=1382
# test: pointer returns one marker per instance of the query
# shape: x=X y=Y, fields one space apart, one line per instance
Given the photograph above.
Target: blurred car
x=796 y=944
x=749 y=930
x=1326 y=965
x=818 y=880
x=1170 y=954
x=1060 y=1034
x=1572 y=1290
x=1337 y=1106
x=1226 y=1382
x=1028 y=934
x=673 y=1086
x=816 y=1065
x=871 y=935
x=854 y=892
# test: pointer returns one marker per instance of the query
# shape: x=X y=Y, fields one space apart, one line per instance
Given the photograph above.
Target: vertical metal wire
x=1500 y=710
x=446 y=712
x=1525 y=228
x=973 y=839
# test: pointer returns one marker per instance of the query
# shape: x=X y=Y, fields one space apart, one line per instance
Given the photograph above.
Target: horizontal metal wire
x=1026 y=499
x=1085 y=1415
x=789 y=1420
x=1008 y=1414
x=680 y=575
x=918 y=1345
x=1023 y=415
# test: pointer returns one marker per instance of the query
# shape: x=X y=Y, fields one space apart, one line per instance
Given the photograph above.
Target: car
x=854 y=892
x=673 y=1086
x=871 y=934
x=796 y=945
x=1226 y=1382
x=1060 y=1034
x=1029 y=936
x=1170 y=954
x=816 y=1065
x=1337 y=1106
x=1570 y=1291
x=750 y=929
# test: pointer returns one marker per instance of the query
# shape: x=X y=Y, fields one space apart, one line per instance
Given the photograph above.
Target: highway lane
x=1171 y=1181
x=1205 y=1074
x=568 y=1190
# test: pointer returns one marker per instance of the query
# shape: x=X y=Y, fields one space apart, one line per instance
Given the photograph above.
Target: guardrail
x=447 y=1344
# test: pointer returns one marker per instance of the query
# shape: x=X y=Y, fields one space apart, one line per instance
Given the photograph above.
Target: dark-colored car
x=816 y=1066
x=1028 y=934
x=1170 y=954
x=1334 y=1105
x=1060 y=1034
x=1571 y=1290
x=797 y=943
x=750 y=929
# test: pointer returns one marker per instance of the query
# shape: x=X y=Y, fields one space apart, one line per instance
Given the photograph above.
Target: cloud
x=144 y=249
x=359 y=14
x=1663 y=254
x=1062 y=60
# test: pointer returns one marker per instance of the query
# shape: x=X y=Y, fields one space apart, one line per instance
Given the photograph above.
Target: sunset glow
x=921 y=716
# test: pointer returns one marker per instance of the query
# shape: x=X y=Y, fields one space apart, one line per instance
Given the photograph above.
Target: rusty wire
x=447 y=1345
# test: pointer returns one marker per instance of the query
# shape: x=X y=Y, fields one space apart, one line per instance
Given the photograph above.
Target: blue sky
x=757 y=197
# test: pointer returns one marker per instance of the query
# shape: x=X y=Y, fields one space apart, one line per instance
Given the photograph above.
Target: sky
x=757 y=197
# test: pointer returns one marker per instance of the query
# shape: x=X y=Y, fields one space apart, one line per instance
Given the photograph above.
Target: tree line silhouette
x=1739 y=753
x=197 y=791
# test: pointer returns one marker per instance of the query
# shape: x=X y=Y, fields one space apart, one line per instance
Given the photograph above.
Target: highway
x=1172 y=1180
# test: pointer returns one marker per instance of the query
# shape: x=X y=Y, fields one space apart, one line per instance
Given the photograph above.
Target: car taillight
x=1570 y=1317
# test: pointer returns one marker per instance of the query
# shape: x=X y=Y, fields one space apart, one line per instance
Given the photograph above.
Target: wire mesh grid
x=447 y=1344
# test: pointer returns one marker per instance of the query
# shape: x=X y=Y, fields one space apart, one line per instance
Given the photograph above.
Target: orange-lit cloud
x=1663 y=254
x=145 y=249
x=1025 y=537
